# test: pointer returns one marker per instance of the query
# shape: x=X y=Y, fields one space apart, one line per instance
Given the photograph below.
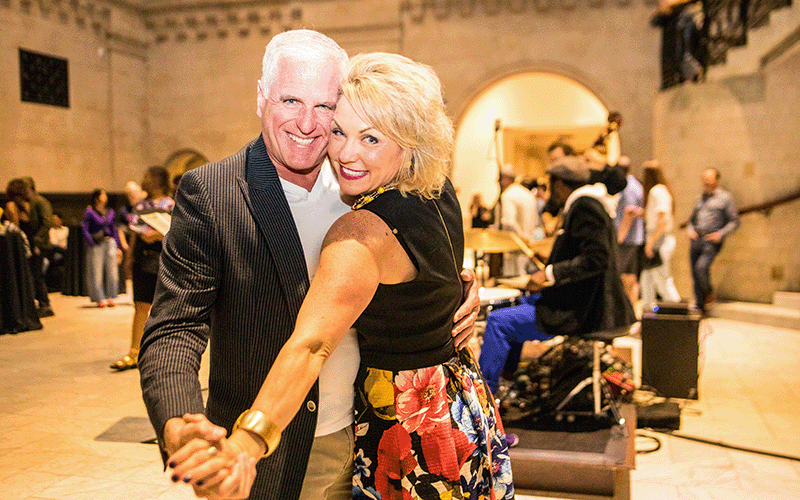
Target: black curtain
x=17 y=297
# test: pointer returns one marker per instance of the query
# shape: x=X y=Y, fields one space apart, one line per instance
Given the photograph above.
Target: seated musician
x=580 y=290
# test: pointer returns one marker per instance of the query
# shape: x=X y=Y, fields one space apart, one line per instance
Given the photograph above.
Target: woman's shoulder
x=660 y=190
x=363 y=225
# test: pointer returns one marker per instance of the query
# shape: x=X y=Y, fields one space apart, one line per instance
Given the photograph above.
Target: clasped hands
x=218 y=468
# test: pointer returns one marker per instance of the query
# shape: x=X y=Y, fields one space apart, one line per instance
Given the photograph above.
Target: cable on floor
x=646 y=443
x=729 y=446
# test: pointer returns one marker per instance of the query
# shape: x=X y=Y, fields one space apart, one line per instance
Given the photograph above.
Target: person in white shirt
x=520 y=215
x=658 y=218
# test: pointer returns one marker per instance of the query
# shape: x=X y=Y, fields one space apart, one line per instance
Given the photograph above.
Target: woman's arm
x=86 y=227
x=661 y=226
x=358 y=253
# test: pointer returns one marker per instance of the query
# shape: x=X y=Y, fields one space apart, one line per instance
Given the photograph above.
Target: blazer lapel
x=264 y=195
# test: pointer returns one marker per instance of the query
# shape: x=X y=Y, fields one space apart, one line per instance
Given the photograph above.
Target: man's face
x=296 y=114
x=710 y=181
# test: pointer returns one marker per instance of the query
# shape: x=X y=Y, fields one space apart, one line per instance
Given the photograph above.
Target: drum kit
x=492 y=241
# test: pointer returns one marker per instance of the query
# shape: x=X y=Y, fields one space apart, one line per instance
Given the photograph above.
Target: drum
x=496 y=298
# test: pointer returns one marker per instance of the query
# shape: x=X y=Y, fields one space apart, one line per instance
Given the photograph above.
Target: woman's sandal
x=125 y=363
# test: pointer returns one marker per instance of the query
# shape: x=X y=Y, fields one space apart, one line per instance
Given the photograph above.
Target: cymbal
x=490 y=240
x=543 y=246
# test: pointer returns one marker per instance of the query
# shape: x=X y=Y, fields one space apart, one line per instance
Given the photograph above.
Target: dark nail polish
x=187 y=479
x=172 y=464
x=199 y=483
x=175 y=478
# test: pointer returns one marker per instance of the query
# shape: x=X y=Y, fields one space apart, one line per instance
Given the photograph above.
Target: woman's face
x=364 y=159
x=102 y=199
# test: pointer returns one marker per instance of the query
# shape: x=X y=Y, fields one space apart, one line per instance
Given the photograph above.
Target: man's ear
x=260 y=99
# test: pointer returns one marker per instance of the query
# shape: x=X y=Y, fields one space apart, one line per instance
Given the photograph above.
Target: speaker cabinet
x=670 y=351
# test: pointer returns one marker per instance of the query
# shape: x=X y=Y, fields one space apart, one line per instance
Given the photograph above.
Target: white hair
x=301 y=45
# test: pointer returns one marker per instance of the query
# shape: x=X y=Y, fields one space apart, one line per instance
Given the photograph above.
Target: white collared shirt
x=314 y=212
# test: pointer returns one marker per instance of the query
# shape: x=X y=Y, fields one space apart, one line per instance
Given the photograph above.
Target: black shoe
x=46 y=312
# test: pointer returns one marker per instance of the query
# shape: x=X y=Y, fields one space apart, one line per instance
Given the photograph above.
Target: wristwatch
x=255 y=422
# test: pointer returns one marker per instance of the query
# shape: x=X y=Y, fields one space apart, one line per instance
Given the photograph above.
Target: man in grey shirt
x=713 y=218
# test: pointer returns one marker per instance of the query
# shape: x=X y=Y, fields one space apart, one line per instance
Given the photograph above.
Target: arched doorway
x=529 y=110
x=182 y=161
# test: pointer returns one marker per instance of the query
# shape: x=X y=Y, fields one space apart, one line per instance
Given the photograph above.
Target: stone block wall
x=100 y=139
x=746 y=128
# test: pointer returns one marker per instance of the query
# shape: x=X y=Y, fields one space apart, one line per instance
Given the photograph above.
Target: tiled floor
x=57 y=394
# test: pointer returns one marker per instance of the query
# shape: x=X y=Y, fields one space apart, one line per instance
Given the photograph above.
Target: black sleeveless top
x=408 y=325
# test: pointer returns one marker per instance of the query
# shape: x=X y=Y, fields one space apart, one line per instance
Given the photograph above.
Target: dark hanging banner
x=43 y=79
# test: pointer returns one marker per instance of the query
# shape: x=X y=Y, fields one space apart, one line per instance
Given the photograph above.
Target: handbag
x=651 y=262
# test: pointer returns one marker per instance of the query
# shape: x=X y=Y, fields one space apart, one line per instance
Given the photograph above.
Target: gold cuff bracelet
x=255 y=422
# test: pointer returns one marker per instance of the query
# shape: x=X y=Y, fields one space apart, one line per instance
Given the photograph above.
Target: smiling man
x=237 y=262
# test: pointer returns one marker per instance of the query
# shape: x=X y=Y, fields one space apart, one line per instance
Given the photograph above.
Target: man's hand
x=714 y=237
x=179 y=431
x=691 y=233
x=536 y=281
x=466 y=315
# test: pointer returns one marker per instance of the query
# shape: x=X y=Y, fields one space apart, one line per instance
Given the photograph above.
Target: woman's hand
x=221 y=471
x=151 y=236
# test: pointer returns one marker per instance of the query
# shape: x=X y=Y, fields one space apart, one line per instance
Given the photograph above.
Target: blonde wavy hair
x=403 y=100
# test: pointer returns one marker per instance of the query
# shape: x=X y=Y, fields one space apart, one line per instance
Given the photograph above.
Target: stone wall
x=147 y=83
x=101 y=138
x=607 y=46
x=746 y=128
x=182 y=75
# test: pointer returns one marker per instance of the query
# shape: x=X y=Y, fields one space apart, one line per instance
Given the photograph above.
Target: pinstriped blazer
x=232 y=271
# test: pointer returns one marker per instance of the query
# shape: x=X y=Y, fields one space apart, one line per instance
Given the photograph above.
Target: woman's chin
x=348 y=199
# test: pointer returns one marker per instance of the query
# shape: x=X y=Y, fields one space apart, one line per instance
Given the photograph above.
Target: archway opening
x=181 y=162
x=513 y=122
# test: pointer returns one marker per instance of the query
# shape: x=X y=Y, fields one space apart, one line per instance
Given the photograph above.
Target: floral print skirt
x=432 y=432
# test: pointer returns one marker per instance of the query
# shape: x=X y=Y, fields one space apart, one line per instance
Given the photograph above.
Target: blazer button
x=312 y=407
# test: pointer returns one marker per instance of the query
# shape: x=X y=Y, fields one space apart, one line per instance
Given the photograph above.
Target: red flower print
x=395 y=461
x=446 y=450
x=421 y=402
